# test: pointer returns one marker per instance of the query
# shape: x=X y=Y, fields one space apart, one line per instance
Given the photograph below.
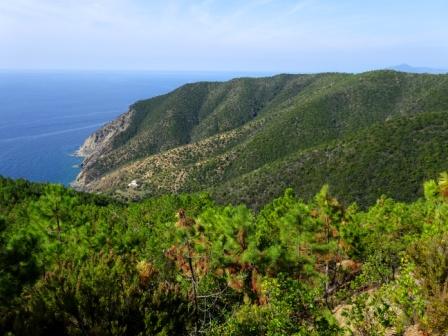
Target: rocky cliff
x=98 y=145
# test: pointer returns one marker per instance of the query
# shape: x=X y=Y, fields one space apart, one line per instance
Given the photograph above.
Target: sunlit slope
x=288 y=130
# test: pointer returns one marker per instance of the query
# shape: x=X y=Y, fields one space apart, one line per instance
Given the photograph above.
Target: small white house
x=133 y=184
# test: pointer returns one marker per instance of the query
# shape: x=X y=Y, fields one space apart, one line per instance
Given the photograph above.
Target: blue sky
x=223 y=35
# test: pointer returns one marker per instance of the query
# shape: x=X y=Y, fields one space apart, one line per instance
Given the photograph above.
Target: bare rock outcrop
x=98 y=144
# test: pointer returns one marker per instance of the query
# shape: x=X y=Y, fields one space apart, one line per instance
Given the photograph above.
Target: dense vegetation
x=246 y=140
x=79 y=264
x=391 y=158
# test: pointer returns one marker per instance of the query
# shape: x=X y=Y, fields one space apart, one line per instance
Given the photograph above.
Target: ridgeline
x=246 y=140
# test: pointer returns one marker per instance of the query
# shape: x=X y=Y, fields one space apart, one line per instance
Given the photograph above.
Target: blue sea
x=45 y=116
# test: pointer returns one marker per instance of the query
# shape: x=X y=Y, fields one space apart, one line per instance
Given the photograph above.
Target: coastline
x=97 y=144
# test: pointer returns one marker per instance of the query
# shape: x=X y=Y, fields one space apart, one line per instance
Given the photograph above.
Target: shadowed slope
x=234 y=137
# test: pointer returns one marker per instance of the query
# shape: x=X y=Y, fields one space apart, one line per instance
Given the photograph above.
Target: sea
x=46 y=115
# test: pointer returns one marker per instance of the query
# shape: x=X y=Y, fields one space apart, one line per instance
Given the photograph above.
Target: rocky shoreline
x=97 y=145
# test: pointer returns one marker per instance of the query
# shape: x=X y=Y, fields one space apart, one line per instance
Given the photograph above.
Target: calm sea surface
x=45 y=116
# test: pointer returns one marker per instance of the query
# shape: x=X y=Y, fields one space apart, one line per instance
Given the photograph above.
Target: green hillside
x=390 y=158
x=82 y=264
x=248 y=139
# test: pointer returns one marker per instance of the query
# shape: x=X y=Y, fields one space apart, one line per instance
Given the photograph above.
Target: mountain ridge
x=204 y=135
x=421 y=70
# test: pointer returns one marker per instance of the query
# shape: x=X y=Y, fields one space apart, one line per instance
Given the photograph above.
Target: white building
x=133 y=184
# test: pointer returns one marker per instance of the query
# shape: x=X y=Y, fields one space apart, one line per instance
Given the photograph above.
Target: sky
x=223 y=35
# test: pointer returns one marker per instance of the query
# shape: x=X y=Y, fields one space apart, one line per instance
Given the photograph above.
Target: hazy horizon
x=400 y=67
x=268 y=36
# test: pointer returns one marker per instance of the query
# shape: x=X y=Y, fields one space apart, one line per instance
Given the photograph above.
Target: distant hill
x=380 y=132
x=422 y=70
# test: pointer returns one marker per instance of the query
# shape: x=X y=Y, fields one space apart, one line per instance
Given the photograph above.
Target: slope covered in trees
x=248 y=139
x=80 y=264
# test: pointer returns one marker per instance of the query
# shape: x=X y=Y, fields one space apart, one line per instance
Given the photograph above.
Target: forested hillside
x=330 y=227
x=250 y=138
x=81 y=264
